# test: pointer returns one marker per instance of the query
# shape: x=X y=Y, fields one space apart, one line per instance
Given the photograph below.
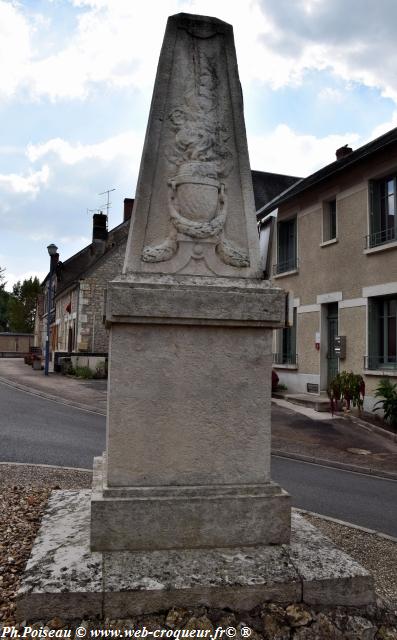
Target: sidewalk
x=297 y=432
x=351 y=443
x=84 y=394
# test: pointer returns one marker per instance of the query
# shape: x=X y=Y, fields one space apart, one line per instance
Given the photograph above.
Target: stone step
x=316 y=402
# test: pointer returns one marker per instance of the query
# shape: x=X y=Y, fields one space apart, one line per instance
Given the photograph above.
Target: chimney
x=128 y=205
x=342 y=152
x=99 y=227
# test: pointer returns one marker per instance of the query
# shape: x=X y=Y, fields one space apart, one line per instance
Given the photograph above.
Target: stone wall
x=91 y=332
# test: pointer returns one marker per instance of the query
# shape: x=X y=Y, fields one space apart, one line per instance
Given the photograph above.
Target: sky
x=76 y=79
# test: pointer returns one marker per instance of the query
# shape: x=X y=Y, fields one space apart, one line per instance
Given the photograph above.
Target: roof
x=269 y=185
x=76 y=266
x=330 y=170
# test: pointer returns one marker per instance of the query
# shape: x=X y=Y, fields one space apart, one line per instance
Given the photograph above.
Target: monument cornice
x=193 y=300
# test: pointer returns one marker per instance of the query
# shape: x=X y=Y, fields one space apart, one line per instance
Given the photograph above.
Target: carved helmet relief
x=200 y=160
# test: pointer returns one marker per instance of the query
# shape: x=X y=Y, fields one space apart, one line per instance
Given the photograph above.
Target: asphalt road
x=364 y=500
x=39 y=431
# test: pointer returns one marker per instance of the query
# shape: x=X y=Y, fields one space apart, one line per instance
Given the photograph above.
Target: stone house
x=79 y=286
x=334 y=248
x=79 y=283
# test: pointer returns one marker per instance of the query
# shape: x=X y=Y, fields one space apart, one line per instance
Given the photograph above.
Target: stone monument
x=183 y=511
x=188 y=436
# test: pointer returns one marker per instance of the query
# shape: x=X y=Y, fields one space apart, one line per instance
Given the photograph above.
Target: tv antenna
x=108 y=203
x=93 y=211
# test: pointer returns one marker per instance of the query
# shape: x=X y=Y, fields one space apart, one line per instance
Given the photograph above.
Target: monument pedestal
x=186 y=517
x=64 y=578
x=188 y=452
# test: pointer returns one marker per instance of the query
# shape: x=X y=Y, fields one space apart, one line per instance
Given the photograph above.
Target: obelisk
x=183 y=509
x=187 y=463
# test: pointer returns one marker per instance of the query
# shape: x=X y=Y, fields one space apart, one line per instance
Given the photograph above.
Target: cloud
x=29 y=184
x=329 y=94
x=116 y=43
x=286 y=151
x=107 y=150
x=15 y=49
x=383 y=127
x=13 y=278
x=356 y=40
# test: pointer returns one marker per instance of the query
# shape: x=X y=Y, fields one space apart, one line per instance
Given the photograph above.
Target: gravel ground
x=24 y=490
x=373 y=552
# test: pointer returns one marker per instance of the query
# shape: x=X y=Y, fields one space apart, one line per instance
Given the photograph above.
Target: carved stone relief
x=201 y=158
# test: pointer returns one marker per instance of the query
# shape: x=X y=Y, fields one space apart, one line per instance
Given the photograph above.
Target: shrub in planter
x=346 y=389
x=388 y=394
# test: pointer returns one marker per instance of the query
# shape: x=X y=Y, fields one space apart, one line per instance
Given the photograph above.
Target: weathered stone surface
x=312 y=554
x=194 y=207
x=321 y=629
x=188 y=300
x=190 y=324
x=275 y=623
x=175 y=517
x=298 y=615
x=191 y=395
x=64 y=578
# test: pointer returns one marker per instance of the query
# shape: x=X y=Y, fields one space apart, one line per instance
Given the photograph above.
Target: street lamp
x=52 y=251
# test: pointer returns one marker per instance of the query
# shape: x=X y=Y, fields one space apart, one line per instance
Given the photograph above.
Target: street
x=354 y=497
x=39 y=431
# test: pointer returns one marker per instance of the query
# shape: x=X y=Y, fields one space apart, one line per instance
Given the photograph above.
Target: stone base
x=187 y=517
x=64 y=578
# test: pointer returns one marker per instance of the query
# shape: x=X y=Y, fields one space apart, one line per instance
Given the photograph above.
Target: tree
x=4 y=301
x=22 y=305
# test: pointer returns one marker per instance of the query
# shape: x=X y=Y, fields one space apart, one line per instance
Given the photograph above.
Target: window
x=382 y=333
x=329 y=220
x=286 y=246
x=286 y=345
x=383 y=215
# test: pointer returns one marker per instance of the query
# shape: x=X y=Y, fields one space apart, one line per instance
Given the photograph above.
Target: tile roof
x=330 y=170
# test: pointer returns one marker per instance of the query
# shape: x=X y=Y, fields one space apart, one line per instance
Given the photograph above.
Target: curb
x=371 y=427
x=387 y=475
x=49 y=396
x=44 y=466
x=343 y=523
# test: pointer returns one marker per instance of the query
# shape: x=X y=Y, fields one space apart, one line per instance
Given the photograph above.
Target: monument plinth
x=183 y=511
x=188 y=438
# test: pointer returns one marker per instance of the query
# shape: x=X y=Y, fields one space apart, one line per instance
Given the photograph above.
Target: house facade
x=334 y=249
x=78 y=291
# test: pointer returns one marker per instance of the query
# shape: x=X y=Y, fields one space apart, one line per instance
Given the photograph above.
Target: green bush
x=83 y=372
x=348 y=388
x=388 y=394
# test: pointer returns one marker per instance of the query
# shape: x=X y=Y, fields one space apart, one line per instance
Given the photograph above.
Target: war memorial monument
x=183 y=511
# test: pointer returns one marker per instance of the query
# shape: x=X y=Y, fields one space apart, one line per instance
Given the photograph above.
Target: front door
x=332 y=326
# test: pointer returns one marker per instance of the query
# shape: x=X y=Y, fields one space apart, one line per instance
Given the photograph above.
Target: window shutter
x=374 y=207
x=373 y=334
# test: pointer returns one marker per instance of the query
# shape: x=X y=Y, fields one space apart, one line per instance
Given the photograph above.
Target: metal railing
x=285 y=358
x=384 y=363
x=284 y=267
x=380 y=237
